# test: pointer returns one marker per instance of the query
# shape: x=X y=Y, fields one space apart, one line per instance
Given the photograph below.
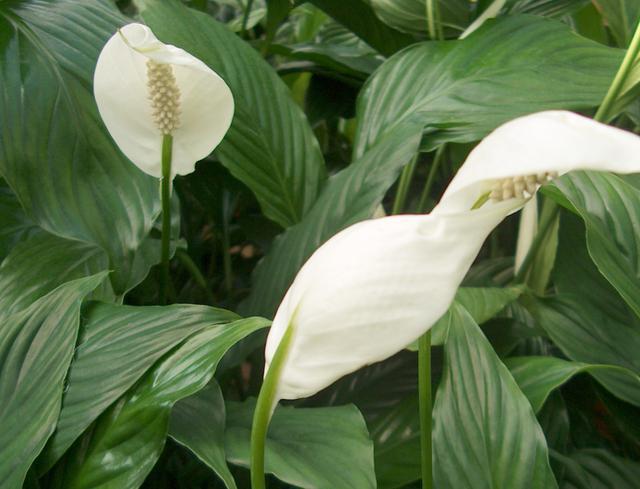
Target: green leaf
x=43 y=262
x=622 y=18
x=358 y=17
x=411 y=15
x=277 y=11
x=311 y=448
x=56 y=154
x=36 y=347
x=586 y=333
x=198 y=423
x=132 y=433
x=348 y=197
x=14 y=223
x=270 y=146
x=600 y=469
x=396 y=437
x=485 y=432
x=546 y=8
x=118 y=345
x=461 y=90
x=537 y=377
x=610 y=208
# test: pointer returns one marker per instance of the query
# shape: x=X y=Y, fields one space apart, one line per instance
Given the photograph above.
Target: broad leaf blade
x=119 y=344
x=485 y=434
x=311 y=448
x=461 y=90
x=36 y=347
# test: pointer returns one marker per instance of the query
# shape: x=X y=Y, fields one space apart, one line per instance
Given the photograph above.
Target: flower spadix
x=146 y=89
x=378 y=285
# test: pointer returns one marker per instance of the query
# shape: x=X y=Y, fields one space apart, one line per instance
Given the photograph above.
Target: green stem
x=434 y=26
x=265 y=406
x=195 y=273
x=543 y=229
x=426 y=191
x=226 y=248
x=403 y=186
x=424 y=392
x=245 y=18
x=604 y=113
x=167 y=147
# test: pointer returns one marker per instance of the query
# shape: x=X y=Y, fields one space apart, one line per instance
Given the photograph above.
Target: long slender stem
x=426 y=191
x=424 y=392
x=245 y=18
x=403 y=186
x=264 y=409
x=167 y=147
x=434 y=26
x=605 y=111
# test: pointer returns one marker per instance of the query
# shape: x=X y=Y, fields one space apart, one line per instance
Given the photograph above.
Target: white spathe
x=122 y=95
x=378 y=285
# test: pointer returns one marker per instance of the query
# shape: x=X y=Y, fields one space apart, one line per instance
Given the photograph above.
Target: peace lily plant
x=164 y=108
x=377 y=286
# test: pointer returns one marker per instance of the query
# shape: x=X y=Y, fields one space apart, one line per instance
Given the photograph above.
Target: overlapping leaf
x=461 y=90
x=36 y=347
x=55 y=153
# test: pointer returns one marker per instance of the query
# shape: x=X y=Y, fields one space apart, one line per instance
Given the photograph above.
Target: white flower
x=378 y=285
x=146 y=89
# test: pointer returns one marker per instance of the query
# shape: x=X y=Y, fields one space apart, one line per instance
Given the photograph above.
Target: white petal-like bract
x=123 y=98
x=378 y=285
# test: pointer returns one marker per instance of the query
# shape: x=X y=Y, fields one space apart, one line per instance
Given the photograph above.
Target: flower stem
x=606 y=112
x=265 y=406
x=424 y=393
x=434 y=26
x=403 y=186
x=167 y=147
x=245 y=18
x=435 y=164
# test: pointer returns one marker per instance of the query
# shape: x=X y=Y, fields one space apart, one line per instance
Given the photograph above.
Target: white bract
x=146 y=89
x=378 y=285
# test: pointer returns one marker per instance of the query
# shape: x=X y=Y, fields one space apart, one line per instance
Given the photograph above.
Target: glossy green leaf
x=56 y=155
x=270 y=146
x=132 y=433
x=359 y=18
x=461 y=90
x=600 y=469
x=586 y=333
x=537 y=377
x=14 y=223
x=610 y=208
x=198 y=423
x=43 y=262
x=36 y=347
x=547 y=8
x=485 y=432
x=311 y=448
x=118 y=345
x=622 y=17
x=348 y=197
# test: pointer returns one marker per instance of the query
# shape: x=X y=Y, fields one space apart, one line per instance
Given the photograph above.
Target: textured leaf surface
x=69 y=176
x=610 y=208
x=622 y=18
x=119 y=344
x=36 y=347
x=311 y=448
x=198 y=423
x=14 y=223
x=132 y=433
x=349 y=196
x=461 y=90
x=587 y=333
x=485 y=432
x=537 y=377
x=43 y=262
x=270 y=146
x=600 y=469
